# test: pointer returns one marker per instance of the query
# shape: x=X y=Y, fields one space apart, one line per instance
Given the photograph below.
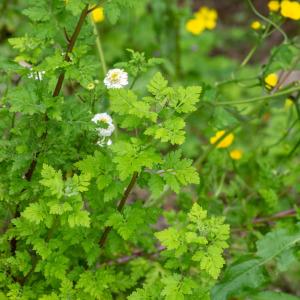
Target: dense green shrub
x=139 y=174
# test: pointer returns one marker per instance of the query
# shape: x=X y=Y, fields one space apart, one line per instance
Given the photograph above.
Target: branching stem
x=120 y=207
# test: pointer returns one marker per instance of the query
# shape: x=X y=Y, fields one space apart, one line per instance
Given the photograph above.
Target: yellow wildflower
x=195 y=26
x=209 y=17
x=288 y=103
x=271 y=80
x=205 y=18
x=236 y=154
x=256 y=25
x=290 y=9
x=273 y=5
x=226 y=142
x=98 y=14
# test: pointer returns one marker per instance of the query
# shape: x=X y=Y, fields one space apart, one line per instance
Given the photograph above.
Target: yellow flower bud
x=98 y=14
x=271 y=80
x=256 y=25
x=236 y=154
x=273 y=5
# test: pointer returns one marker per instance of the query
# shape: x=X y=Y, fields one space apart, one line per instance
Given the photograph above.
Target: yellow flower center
x=114 y=77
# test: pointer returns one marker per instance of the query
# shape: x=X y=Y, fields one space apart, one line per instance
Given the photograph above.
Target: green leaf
x=125 y=102
x=169 y=131
x=245 y=274
x=132 y=157
x=25 y=100
x=34 y=213
x=57 y=208
x=249 y=273
x=178 y=171
x=158 y=86
x=172 y=240
x=176 y=287
x=37 y=12
x=156 y=185
x=112 y=11
x=80 y=218
x=268 y=295
x=184 y=100
x=53 y=180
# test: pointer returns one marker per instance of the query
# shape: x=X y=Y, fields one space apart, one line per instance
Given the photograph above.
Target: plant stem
x=249 y=55
x=99 y=48
x=70 y=47
x=255 y=99
x=129 y=188
x=280 y=215
x=267 y=20
x=56 y=92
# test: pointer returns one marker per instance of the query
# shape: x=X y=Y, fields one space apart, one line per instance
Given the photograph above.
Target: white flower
x=36 y=75
x=116 y=79
x=102 y=143
x=106 y=126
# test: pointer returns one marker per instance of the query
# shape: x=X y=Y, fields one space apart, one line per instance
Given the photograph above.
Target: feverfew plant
x=122 y=177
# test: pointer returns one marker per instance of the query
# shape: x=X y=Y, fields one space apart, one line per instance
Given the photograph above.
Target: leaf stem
x=255 y=99
x=267 y=20
x=120 y=207
x=99 y=47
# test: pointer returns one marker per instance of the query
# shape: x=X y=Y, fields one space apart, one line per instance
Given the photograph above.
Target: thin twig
x=283 y=214
x=259 y=98
x=267 y=20
x=129 y=188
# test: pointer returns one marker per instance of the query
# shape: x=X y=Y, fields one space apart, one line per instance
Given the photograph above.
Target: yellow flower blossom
x=226 y=142
x=274 y=5
x=195 y=26
x=209 y=17
x=205 y=18
x=98 y=14
x=290 y=9
x=271 y=80
x=256 y=25
x=236 y=154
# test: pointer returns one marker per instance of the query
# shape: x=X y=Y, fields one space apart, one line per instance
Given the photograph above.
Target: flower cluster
x=116 y=79
x=288 y=9
x=235 y=154
x=204 y=18
x=105 y=128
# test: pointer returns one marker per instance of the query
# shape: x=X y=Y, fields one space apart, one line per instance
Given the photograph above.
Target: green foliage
x=203 y=238
x=118 y=191
x=249 y=273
